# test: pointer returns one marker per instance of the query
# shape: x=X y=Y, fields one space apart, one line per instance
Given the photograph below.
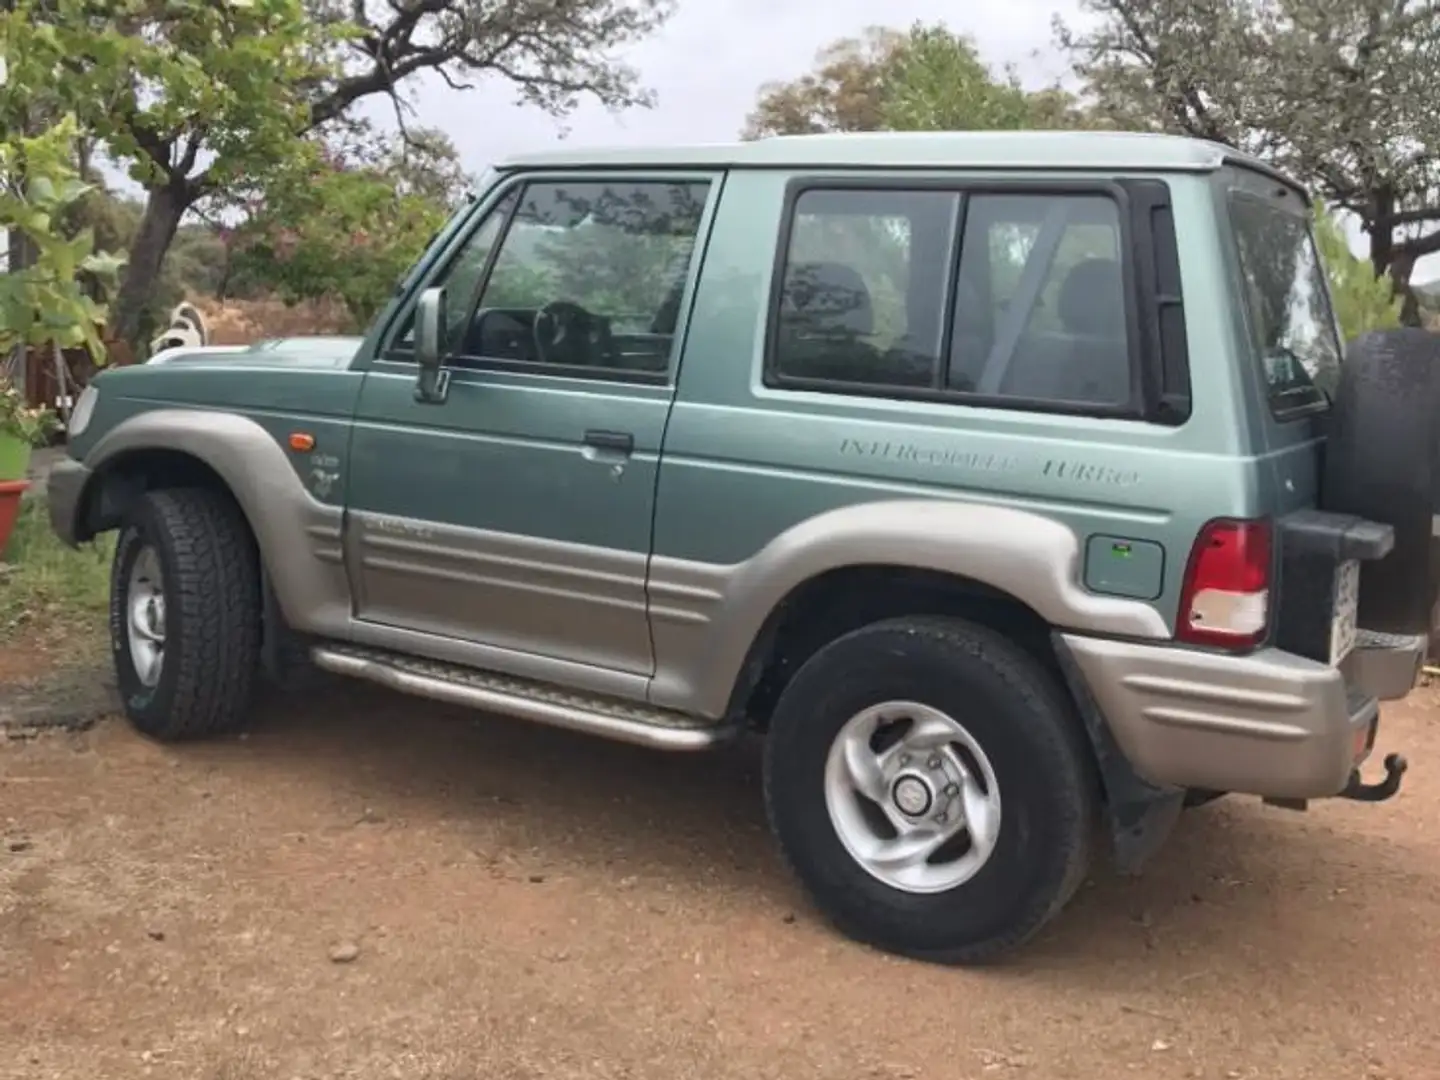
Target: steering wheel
x=565 y=333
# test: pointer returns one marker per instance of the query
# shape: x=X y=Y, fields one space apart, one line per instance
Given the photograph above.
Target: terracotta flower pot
x=10 y=492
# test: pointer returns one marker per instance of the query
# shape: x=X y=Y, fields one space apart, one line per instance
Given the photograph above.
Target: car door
x=517 y=512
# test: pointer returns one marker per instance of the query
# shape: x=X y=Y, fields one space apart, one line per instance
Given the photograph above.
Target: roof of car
x=1089 y=150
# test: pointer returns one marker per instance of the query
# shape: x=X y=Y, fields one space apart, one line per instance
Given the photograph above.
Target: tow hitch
x=1357 y=789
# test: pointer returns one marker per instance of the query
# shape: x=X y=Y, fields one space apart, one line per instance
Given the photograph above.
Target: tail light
x=1226 y=596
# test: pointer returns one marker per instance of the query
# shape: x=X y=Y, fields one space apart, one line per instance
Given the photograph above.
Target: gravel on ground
x=368 y=886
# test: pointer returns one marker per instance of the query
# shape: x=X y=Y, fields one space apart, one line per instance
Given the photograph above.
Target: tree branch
x=1418 y=247
x=1402 y=218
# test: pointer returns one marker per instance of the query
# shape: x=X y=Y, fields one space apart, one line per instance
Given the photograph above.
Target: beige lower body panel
x=1271 y=723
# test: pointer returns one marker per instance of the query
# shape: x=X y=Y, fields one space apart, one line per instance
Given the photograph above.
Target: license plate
x=1347 y=604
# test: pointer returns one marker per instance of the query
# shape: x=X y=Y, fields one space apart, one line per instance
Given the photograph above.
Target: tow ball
x=1357 y=789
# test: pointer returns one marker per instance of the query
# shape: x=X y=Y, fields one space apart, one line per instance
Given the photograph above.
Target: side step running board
x=522 y=698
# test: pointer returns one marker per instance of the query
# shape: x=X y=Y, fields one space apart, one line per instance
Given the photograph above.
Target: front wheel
x=930 y=785
x=185 y=614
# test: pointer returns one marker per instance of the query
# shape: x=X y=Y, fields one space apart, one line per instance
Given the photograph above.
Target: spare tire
x=1382 y=463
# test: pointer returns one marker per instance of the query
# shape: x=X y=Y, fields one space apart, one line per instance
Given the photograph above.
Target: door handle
x=620 y=442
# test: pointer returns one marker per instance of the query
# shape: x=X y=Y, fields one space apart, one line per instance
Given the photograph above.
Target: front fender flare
x=299 y=536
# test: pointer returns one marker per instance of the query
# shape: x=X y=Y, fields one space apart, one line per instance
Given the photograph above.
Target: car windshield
x=1292 y=326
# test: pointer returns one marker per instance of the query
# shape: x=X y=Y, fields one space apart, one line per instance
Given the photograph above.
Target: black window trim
x=1146 y=376
x=394 y=355
x=1165 y=345
x=1313 y=406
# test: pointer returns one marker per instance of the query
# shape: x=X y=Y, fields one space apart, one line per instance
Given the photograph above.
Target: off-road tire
x=1014 y=708
x=209 y=568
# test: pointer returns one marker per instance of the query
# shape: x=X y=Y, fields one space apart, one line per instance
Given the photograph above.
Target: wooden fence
x=42 y=383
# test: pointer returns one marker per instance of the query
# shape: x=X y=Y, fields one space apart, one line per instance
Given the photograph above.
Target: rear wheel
x=185 y=614
x=929 y=784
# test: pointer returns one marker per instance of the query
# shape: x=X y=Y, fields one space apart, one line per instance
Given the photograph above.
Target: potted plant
x=21 y=428
x=43 y=303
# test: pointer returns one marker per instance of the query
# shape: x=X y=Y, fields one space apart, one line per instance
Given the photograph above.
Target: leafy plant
x=1363 y=300
x=47 y=301
x=32 y=426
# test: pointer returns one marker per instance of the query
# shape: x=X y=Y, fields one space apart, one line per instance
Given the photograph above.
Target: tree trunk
x=1382 y=237
x=19 y=254
x=164 y=207
x=1401 y=267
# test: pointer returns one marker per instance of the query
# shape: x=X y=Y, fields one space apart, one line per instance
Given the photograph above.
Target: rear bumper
x=1272 y=723
x=1386 y=665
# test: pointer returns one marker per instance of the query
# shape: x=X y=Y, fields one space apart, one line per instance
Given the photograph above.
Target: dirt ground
x=368 y=886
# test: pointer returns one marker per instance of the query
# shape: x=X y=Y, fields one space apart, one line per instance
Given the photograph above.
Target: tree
x=1341 y=93
x=192 y=96
x=1363 y=300
x=201 y=97
x=923 y=79
x=936 y=81
x=843 y=93
x=348 y=227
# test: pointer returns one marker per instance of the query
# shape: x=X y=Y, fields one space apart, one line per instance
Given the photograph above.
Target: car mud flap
x=270 y=620
x=1139 y=814
x=1388 y=788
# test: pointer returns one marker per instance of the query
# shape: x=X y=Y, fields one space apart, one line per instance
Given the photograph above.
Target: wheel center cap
x=912 y=796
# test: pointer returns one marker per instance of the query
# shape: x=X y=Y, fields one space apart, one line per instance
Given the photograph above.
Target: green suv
x=1011 y=486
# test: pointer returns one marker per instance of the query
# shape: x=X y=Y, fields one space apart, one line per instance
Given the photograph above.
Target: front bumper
x=1271 y=723
x=63 y=491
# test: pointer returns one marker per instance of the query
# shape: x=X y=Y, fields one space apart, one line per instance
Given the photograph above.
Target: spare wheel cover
x=1382 y=462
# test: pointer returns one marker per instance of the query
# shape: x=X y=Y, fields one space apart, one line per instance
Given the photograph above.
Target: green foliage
x=935 y=80
x=927 y=78
x=155 y=80
x=192 y=97
x=197 y=262
x=46 y=301
x=621 y=275
x=49 y=588
x=205 y=101
x=334 y=228
x=1363 y=300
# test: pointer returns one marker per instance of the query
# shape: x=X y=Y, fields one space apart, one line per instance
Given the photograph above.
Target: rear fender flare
x=1029 y=556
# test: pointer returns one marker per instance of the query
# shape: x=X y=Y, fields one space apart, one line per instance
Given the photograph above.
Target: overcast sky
x=707 y=64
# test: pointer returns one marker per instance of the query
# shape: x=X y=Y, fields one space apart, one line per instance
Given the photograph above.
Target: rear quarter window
x=1290 y=324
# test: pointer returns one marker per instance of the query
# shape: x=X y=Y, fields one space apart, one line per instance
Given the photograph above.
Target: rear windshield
x=1292 y=327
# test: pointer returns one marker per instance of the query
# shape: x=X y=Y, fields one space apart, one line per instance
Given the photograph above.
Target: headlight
x=84 y=409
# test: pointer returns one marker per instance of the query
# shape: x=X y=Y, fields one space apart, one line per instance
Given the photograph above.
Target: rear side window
x=1040 y=311
x=1291 y=324
x=1007 y=298
x=863 y=300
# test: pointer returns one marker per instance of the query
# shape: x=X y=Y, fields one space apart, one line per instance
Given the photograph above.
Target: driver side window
x=587 y=275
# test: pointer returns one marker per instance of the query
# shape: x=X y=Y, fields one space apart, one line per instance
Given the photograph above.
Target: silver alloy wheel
x=928 y=793
x=145 y=605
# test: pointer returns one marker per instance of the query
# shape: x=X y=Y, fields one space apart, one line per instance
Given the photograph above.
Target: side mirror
x=432 y=382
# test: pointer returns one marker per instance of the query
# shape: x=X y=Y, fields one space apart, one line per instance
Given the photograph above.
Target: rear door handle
x=620 y=442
